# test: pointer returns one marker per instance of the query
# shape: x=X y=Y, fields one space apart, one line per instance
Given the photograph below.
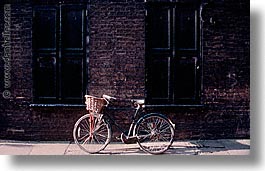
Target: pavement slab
x=15 y=149
x=209 y=144
x=238 y=152
x=188 y=147
x=236 y=144
x=49 y=149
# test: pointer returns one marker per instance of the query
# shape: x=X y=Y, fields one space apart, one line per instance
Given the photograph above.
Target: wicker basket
x=94 y=104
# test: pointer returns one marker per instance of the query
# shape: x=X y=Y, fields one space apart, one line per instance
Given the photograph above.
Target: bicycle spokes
x=92 y=133
x=154 y=133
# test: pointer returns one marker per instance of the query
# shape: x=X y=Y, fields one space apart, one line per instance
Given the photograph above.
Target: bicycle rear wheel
x=155 y=133
x=92 y=133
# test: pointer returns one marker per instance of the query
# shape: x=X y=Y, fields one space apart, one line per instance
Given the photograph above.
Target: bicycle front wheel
x=92 y=133
x=155 y=133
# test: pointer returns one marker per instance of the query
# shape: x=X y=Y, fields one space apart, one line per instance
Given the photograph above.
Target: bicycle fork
x=91 y=125
x=91 y=129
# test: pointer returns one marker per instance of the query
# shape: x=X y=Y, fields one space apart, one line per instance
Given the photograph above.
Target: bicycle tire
x=155 y=133
x=95 y=141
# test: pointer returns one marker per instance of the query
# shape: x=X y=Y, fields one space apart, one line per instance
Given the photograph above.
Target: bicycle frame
x=138 y=109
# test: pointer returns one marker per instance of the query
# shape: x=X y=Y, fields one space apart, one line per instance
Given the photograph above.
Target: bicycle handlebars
x=108 y=98
x=140 y=102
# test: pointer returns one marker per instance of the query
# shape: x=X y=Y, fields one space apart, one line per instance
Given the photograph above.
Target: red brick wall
x=226 y=66
x=15 y=115
x=116 y=48
x=116 y=58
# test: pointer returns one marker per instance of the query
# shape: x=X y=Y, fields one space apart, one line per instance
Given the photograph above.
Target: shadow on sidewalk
x=222 y=147
x=202 y=147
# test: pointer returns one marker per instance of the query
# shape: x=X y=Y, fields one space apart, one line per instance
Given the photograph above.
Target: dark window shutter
x=172 y=53
x=59 y=53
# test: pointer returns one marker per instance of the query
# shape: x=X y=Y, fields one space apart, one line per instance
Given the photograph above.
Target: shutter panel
x=172 y=53
x=45 y=22
x=73 y=52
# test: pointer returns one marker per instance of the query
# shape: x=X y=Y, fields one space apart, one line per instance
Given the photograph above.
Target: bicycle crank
x=128 y=139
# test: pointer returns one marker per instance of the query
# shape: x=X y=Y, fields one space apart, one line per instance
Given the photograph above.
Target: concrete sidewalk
x=190 y=147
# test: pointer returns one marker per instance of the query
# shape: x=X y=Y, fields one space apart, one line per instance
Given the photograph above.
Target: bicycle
x=92 y=132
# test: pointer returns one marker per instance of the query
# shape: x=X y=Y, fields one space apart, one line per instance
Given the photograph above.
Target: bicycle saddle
x=139 y=102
